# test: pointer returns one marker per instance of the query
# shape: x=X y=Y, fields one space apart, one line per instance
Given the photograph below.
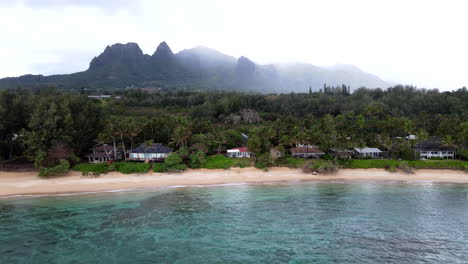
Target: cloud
x=106 y=5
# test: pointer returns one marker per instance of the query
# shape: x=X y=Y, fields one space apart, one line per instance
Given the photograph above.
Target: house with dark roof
x=152 y=153
x=307 y=151
x=433 y=148
x=104 y=153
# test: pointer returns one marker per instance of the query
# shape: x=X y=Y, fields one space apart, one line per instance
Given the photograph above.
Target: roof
x=100 y=155
x=432 y=144
x=336 y=150
x=155 y=148
x=306 y=150
x=367 y=150
x=244 y=149
x=103 y=148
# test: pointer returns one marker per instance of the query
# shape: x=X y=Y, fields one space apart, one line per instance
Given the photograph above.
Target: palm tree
x=448 y=142
x=421 y=136
x=219 y=137
x=101 y=140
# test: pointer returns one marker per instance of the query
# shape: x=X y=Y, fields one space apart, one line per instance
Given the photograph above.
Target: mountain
x=125 y=65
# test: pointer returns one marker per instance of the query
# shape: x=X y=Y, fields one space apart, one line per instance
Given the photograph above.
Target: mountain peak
x=245 y=66
x=117 y=53
x=163 y=50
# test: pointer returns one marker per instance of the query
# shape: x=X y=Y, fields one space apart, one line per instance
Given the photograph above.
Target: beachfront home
x=307 y=151
x=239 y=153
x=342 y=153
x=368 y=152
x=151 y=153
x=276 y=153
x=433 y=148
x=104 y=153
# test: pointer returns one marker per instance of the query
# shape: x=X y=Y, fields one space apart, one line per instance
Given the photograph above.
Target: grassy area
x=94 y=168
x=222 y=162
x=123 y=167
x=294 y=163
x=131 y=167
x=416 y=164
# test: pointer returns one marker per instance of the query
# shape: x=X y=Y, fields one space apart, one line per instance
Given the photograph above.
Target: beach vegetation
x=57 y=170
x=126 y=167
x=217 y=162
x=93 y=168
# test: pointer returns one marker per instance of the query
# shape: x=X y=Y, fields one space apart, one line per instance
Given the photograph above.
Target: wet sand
x=24 y=183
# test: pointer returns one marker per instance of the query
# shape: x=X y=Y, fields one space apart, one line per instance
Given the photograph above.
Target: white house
x=368 y=152
x=155 y=152
x=239 y=153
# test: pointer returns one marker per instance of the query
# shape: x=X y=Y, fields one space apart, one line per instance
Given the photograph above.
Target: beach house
x=433 y=148
x=239 y=153
x=104 y=153
x=152 y=153
x=307 y=151
x=368 y=153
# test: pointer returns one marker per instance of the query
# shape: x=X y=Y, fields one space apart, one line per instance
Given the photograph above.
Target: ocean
x=312 y=222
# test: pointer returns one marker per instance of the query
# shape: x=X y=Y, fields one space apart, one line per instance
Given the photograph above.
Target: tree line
x=46 y=125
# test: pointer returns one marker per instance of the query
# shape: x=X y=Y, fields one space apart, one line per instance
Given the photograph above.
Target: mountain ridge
x=125 y=65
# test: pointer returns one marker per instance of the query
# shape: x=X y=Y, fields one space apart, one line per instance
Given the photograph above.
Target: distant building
x=100 y=96
x=104 y=153
x=342 y=153
x=155 y=152
x=368 y=152
x=239 y=153
x=276 y=153
x=433 y=148
x=307 y=151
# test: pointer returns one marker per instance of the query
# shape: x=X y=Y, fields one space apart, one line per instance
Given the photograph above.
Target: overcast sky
x=420 y=42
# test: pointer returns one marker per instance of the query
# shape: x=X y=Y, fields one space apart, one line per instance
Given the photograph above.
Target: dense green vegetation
x=49 y=125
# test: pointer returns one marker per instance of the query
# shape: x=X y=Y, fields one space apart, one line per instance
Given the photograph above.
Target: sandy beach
x=22 y=183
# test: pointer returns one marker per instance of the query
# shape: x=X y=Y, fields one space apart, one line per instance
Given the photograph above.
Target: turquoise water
x=280 y=223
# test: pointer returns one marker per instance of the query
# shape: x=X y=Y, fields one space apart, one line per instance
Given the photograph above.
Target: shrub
x=463 y=153
x=436 y=158
x=132 y=167
x=177 y=167
x=63 y=167
x=320 y=166
x=173 y=159
x=261 y=165
x=391 y=168
x=160 y=167
x=96 y=169
x=295 y=163
x=196 y=159
x=405 y=167
x=217 y=162
x=327 y=168
x=241 y=162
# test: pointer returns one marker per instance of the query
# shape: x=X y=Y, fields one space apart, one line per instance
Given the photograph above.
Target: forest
x=48 y=125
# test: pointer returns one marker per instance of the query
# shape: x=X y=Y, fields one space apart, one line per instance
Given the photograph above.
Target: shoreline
x=17 y=184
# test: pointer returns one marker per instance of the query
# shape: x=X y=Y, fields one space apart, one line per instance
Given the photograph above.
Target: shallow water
x=272 y=223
